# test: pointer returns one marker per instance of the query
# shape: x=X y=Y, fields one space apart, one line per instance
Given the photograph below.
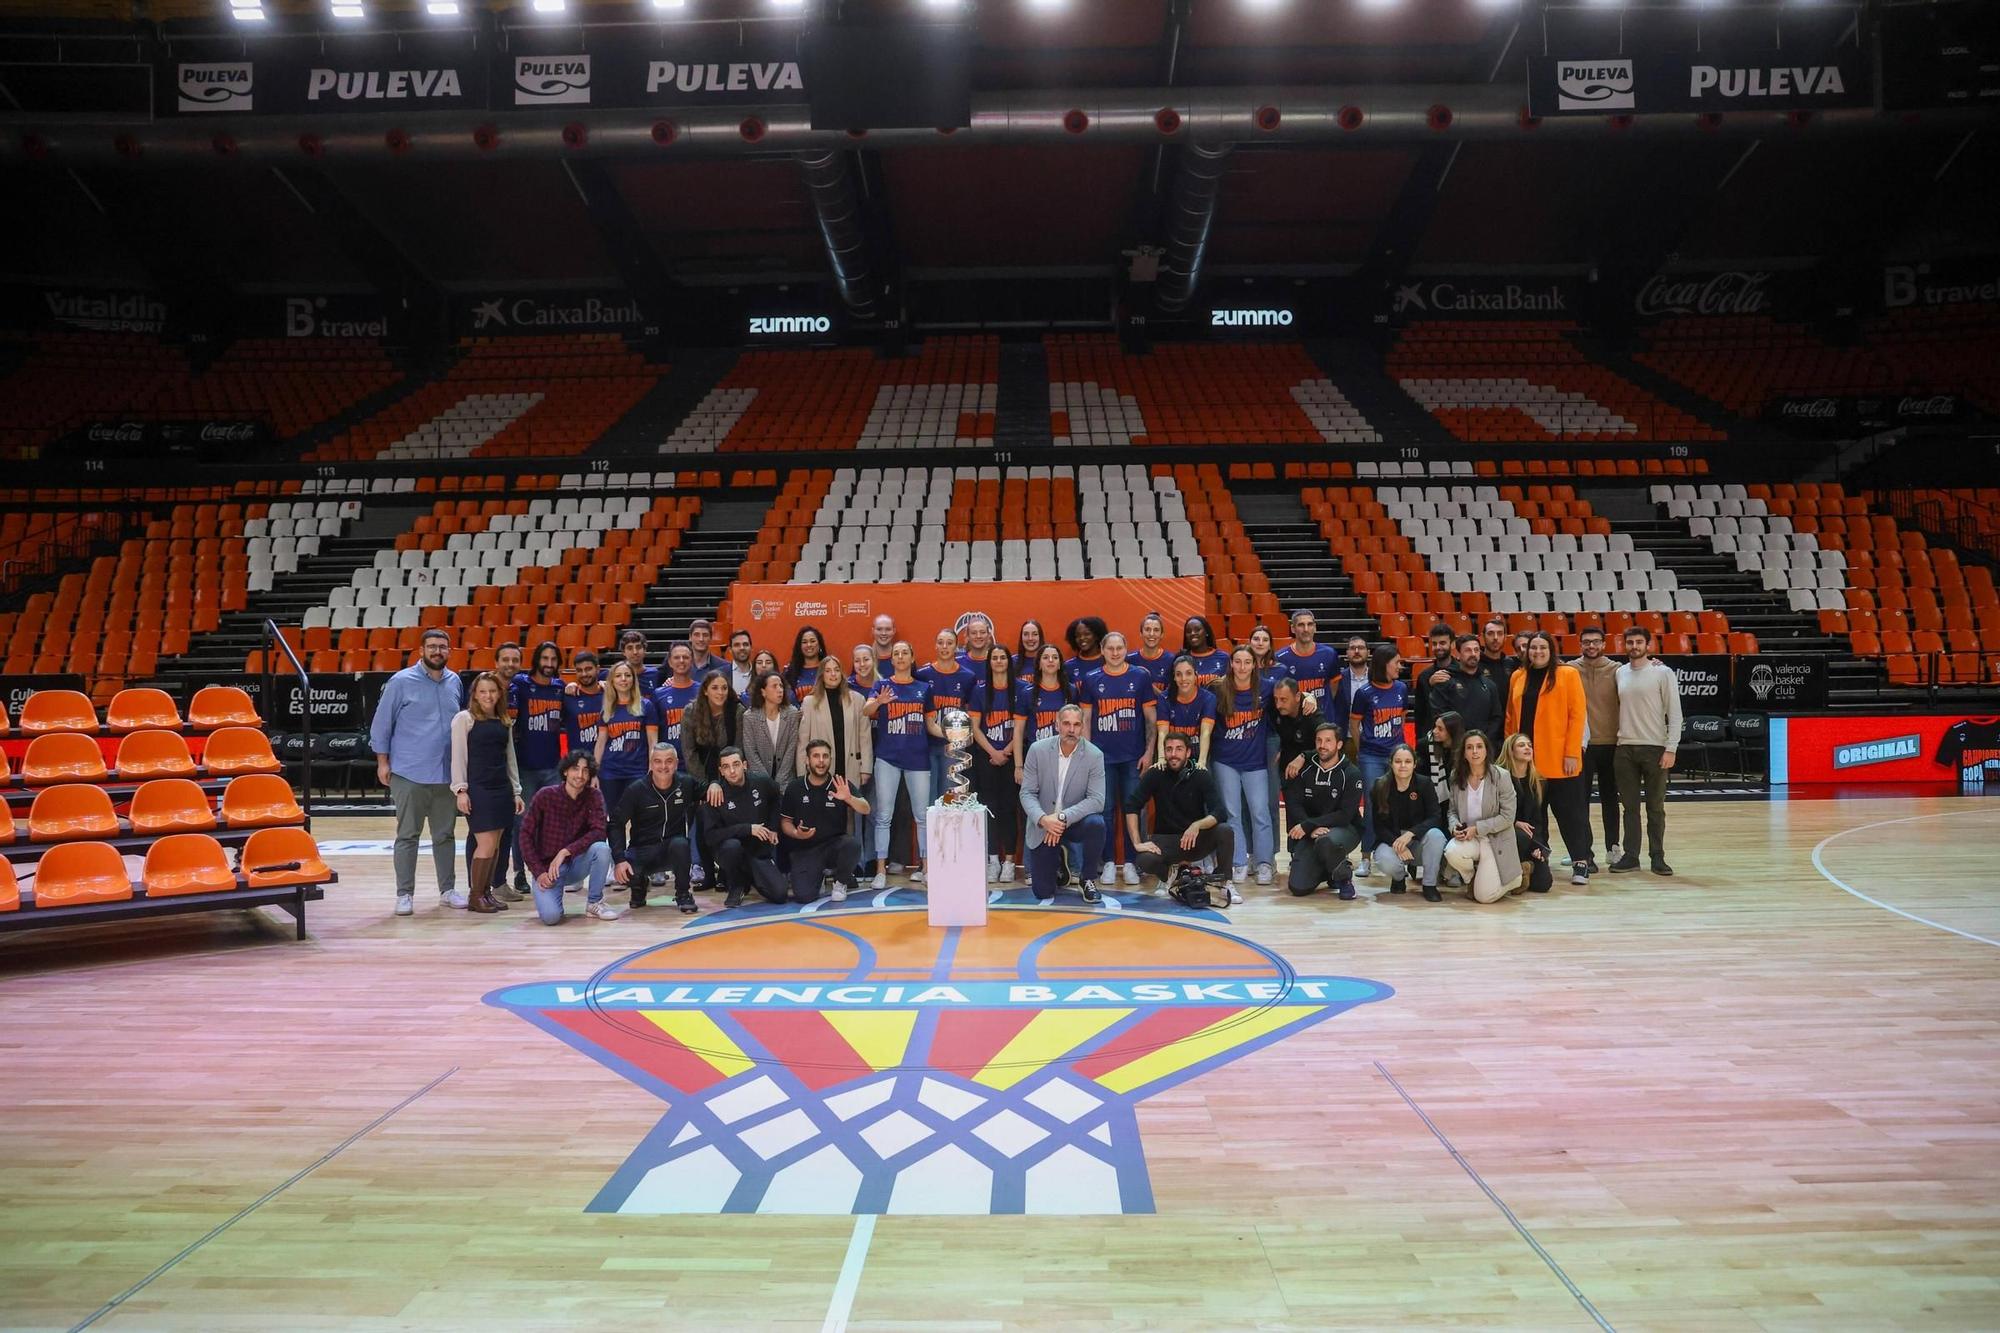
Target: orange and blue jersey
x=1160 y=666
x=1076 y=668
x=624 y=735
x=581 y=714
x=538 y=721
x=1187 y=717
x=1239 y=731
x=1117 y=709
x=1035 y=710
x=1210 y=667
x=994 y=715
x=1380 y=710
x=901 y=738
x=670 y=702
x=949 y=689
x=1313 y=671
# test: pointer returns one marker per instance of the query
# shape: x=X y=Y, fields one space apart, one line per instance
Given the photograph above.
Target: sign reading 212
x=860 y=1061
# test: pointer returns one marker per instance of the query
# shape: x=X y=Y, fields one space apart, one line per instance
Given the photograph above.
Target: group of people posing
x=1096 y=756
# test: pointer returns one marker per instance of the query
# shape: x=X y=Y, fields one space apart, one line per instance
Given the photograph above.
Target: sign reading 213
x=860 y=1061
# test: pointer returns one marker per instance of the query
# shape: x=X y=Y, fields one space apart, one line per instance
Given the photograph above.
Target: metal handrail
x=275 y=636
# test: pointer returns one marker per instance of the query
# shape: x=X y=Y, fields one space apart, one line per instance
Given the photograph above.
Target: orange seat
x=283 y=856
x=140 y=710
x=63 y=756
x=154 y=754
x=76 y=811
x=5 y=725
x=234 y=750
x=222 y=706
x=170 y=805
x=58 y=710
x=259 y=800
x=81 y=872
x=187 y=863
x=10 y=888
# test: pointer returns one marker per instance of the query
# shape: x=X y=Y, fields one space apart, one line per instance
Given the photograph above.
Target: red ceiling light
x=398 y=141
x=664 y=132
x=1708 y=120
x=1075 y=122
x=1268 y=118
x=1527 y=119
x=224 y=145
x=486 y=138
x=1621 y=123
x=1167 y=120
x=857 y=134
x=312 y=145
x=35 y=146
x=1798 y=120
x=752 y=129
x=126 y=145
x=574 y=136
x=1438 y=117
x=1349 y=118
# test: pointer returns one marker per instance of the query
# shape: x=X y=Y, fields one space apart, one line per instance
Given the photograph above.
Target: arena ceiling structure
x=939 y=163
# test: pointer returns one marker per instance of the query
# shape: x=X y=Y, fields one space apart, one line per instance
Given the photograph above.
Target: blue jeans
x=594 y=865
x=1121 y=784
x=1085 y=842
x=864 y=826
x=1374 y=767
x=888 y=781
x=1247 y=797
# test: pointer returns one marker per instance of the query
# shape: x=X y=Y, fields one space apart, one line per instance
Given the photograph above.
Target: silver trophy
x=957 y=724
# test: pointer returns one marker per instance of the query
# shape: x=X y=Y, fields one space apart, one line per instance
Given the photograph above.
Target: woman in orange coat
x=1545 y=700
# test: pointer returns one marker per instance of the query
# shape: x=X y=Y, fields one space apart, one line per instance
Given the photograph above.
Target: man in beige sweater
x=1600 y=702
x=1649 y=732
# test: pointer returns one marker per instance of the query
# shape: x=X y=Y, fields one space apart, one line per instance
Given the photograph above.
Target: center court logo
x=1594 y=85
x=552 y=80
x=860 y=1061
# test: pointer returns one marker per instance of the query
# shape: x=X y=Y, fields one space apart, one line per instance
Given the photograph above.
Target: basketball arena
x=999 y=664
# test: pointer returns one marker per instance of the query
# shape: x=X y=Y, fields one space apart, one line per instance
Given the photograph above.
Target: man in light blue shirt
x=411 y=737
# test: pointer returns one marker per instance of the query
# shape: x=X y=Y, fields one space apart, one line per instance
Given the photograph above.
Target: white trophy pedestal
x=955 y=871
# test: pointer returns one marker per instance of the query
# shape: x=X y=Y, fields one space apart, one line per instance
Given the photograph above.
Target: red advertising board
x=1887 y=747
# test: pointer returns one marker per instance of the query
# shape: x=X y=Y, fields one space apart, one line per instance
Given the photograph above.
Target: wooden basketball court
x=1746 y=1097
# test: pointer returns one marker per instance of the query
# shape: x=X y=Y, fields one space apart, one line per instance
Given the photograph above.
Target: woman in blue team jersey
x=808 y=647
x=992 y=706
x=1242 y=769
x=1198 y=642
x=904 y=724
x=1086 y=639
x=1038 y=697
x=1185 y=708
x=1153 y=654
x=621 y=734
x=1119 y=702
x=1028 y=649
x=1375 y=715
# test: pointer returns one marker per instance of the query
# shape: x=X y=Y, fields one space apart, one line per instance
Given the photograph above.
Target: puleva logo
x=861 y=1061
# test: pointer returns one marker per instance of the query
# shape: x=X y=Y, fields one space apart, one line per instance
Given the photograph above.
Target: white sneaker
x=1131 y=874
x=1110 y=875
x=696 y=876
x=1264 y=874
x=839 y=893
x=1235 y=898
x=992 y=869
x=1364 y=870
x=1237 y=873
x=881 y=881
x=406 y=904
x=603 y=911
x=917 y=876
x=1613 y=853
x=1007 y=870
x=895 y=867
x=455 y=900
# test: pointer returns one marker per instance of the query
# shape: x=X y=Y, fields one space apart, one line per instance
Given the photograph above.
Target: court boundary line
x=849 y=1282
x=112 y=1305
x=1845 y=887
x=1497 y=1201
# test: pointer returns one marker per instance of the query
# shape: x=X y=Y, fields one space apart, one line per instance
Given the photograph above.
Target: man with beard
x=1495 y=662
x=814 y=820
x=741 y=831
x=1190 y=822
x=1323 y=808
x=1470 y=692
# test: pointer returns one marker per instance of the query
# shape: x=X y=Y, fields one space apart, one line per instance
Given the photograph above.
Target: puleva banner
x=845 y=612
x=1794 y=79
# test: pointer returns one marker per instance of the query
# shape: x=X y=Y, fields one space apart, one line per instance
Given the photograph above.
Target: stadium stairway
x=692 y=373
x=1303 y=568
x=413 y=379
x=1023 y=402
x=1672 y=392
x=709 y=560
x=1356 y=367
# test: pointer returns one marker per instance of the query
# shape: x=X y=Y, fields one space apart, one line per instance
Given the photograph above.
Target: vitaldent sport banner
x=1892 y=747
x=1794 y=79
x=845 y=612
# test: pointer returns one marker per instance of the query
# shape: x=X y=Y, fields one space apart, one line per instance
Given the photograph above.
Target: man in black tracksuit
x=1468 y=690
x=1425 y=716
x=1189 y=820
x=656 y=812
x=741 y=833
x=814 y=814
x=1323 y=805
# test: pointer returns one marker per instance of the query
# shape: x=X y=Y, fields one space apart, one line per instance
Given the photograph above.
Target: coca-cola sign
x=115 y=432
x=1733 y=292
x=1935 y=405
x=1809 y=409
x=228 y=432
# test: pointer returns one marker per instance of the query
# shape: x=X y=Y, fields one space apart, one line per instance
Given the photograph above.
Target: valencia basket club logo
x=865 y=1062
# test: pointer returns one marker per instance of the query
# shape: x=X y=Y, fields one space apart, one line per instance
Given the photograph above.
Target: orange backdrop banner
x=845 y=612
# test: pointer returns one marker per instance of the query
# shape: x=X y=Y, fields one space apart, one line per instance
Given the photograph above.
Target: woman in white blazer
x=854 y=747
x=1481 y=823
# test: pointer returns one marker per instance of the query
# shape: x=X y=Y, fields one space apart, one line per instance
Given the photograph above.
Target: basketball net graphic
x=865 y=1062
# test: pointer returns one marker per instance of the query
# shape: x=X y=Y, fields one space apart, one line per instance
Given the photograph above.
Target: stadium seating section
x=944 y=396
x=1527 y=382
x=508 y=398
x=1188 y=393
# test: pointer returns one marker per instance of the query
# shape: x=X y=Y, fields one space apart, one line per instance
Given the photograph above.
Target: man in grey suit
x=1062 y=791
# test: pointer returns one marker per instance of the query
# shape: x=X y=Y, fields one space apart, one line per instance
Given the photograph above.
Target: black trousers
x=1317 y=861
x=671 y=857
x=749 y=863
x=995 y=786
x=1600 y=766
x=1569 y=806
x=1535 y=874
x=1219 y=842
x=811 y=861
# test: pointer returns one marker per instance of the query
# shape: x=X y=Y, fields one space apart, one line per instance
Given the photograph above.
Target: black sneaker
x=520 y=881
x=638 y=895
x=1399 y=886
x=1623 y=864
x=1660 y=866
x=1345 y=888
x=684 y=899
x=735 y=898
x=1431 y=895
x=1090 y=893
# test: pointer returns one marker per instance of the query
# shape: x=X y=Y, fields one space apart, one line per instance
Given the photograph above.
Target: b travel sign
x=1794 y=79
